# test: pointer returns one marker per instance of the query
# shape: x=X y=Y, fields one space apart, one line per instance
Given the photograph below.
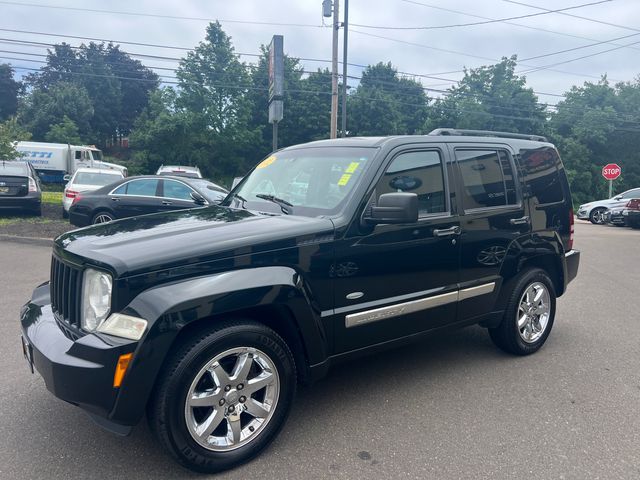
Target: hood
x=167 y=240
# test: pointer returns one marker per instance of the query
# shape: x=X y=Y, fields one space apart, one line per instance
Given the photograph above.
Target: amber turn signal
x=121 y=369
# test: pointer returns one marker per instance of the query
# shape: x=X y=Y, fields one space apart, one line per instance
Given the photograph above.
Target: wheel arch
x=273 y=296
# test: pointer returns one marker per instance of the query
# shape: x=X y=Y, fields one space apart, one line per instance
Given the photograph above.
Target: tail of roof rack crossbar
x=487 y=133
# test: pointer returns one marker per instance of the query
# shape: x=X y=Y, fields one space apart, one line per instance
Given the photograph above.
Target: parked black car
x=207 y=319
x=631 y=213
x=614 y=216
x=20 y=187
x=134 y=196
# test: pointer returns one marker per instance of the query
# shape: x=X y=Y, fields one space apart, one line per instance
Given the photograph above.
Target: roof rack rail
x=487 y=133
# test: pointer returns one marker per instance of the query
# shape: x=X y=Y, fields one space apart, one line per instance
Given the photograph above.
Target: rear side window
x=179 y=190
x=488 y=178
x=419 y=173
x=542 y=176
x=145 y=188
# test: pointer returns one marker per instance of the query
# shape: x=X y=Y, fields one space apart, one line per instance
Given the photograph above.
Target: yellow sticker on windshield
x=344 y=179
x=352 y=167
x=267 y=161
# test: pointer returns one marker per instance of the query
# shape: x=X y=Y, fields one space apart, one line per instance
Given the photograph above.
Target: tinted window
x=173 y=189
x=146 y=187
x=542 y=175
x=92 y=178
x=419 y=173
x=487 y=176
x=14 y=168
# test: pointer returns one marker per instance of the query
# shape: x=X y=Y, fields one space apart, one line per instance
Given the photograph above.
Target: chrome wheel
x=102 y=218
x=534 y=311
x=232 y=399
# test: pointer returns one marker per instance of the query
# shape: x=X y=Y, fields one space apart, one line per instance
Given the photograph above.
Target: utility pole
x=344 y=68
x=334 y=71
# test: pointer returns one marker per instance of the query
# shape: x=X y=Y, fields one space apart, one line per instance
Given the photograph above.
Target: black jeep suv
x=206 y=319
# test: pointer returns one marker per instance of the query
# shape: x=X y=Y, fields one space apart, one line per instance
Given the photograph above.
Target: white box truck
x=53 y=161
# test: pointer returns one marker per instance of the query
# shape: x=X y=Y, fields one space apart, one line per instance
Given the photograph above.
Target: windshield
x=95 y=178
x=315 y=181
x=211 y=191
x=97 y=154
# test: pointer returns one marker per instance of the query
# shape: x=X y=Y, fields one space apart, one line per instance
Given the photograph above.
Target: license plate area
x=27 y=351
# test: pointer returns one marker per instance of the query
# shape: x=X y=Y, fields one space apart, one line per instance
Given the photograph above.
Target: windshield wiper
x=241 y=198
x=283 y=204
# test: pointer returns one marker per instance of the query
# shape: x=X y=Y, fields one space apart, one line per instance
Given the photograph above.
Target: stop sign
x=611 y=171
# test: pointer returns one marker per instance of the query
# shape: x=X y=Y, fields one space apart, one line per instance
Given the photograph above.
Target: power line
x=584 y=46
x=493 y=60
x=602 y=22
x=547 y=67
x=152 y=15
x=171 y=81
x=485 y=22
x=520 y=25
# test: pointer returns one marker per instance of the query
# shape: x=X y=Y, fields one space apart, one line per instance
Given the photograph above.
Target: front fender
x=171 y=307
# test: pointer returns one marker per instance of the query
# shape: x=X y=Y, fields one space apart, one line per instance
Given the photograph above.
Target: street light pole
x=334 y=71
x=344 y=68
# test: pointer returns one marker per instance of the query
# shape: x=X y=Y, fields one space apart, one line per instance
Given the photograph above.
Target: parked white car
x=87 y=180
x=179 y=171
x=593 y=211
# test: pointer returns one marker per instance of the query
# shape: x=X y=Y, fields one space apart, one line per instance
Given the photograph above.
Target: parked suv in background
x=179 y=171
x=20 y=187
x=207 y=319
x=594 y=211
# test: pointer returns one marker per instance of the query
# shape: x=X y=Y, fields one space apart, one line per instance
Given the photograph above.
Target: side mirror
x=66 y=178
x=395 y=208
x=198 y=199
x=618 y=197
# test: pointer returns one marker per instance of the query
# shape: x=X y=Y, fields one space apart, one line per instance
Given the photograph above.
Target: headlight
x=96 y=298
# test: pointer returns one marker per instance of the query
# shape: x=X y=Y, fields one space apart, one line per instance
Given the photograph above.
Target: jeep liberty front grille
x=65 y=287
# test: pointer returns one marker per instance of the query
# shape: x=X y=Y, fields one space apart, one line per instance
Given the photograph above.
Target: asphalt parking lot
x=452 y=406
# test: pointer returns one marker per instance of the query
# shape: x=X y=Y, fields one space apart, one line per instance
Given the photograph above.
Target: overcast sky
x=430 y=52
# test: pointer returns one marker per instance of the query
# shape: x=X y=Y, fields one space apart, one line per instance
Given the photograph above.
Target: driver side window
x=418 y=172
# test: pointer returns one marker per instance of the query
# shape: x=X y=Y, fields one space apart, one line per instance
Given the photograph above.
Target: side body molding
x=172 y=306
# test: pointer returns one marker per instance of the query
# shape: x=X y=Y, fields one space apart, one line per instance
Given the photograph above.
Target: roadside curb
x=43 y=242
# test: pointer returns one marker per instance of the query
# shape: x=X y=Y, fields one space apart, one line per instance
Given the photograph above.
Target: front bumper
x=583 y=214
x=78 y=370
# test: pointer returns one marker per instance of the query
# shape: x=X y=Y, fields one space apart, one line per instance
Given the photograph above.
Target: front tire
x=529 y=315
x=596 y=216
x=223 y=396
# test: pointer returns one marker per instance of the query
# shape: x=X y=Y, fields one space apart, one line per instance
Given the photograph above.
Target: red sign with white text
x=611 y=171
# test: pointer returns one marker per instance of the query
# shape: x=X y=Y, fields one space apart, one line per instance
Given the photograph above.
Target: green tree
x=595 y=124
x=118 y=87
x=11 y=132
x=9 y=90
x=490 y=98
x=213 y=89
x=64 y=132
x=45 y=107
x=386 y=104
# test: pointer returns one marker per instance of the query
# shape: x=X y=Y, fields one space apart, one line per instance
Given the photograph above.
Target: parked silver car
x=593 y=211
x=87 y=180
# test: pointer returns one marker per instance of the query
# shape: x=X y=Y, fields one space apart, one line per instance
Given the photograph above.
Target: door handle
x=446 y=232
x=115 y=199
x=166 y=202
x=519 y=221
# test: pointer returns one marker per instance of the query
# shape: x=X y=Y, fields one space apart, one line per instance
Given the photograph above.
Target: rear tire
x=595 y=216
x=102 y=217
x=223 y=396
x=529 y=315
